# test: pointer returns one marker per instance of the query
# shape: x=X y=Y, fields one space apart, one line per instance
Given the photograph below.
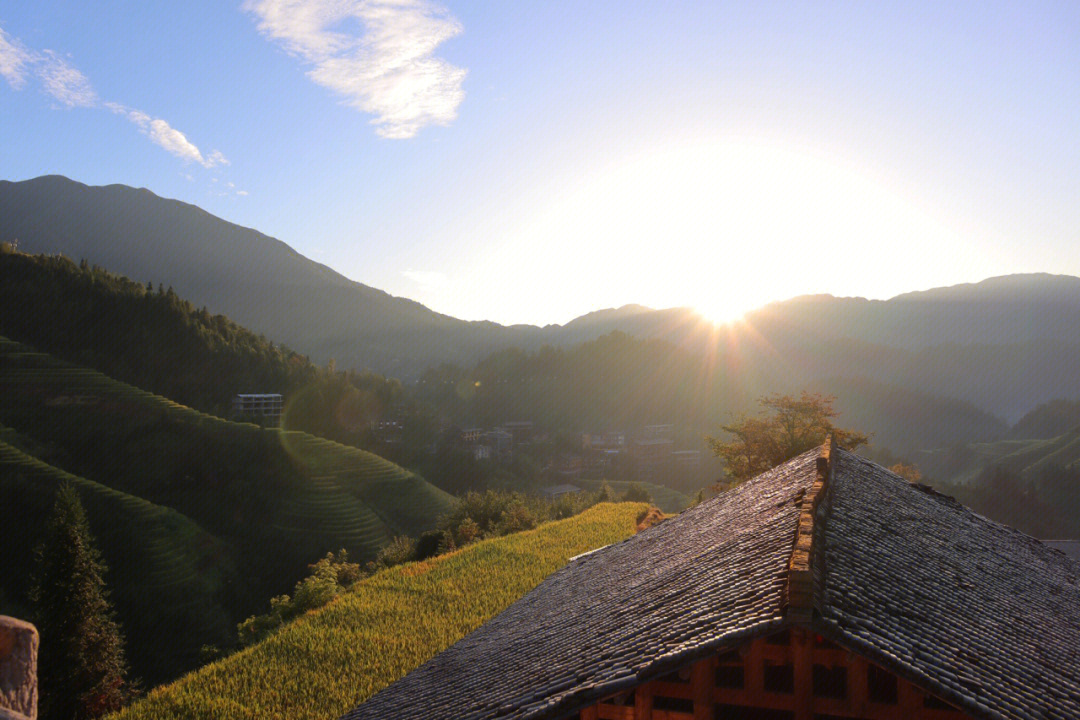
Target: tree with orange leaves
x=791 y=427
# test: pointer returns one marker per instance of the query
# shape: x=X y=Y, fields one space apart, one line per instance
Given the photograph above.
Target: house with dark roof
x=825 y=588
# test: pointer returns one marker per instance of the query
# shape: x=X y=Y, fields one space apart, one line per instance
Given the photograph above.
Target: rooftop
x=982 y=616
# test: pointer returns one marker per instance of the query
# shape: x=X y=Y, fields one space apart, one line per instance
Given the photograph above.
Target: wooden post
x=802 y=657
x=643 y=697
x=703 y=679
x=754 y=669
x=857 y=683
x=909 y=698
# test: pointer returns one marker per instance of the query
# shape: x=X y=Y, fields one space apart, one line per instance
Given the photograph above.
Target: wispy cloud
x=65 y=83
x=387 y=70
x=13 y=60
x=166 y=136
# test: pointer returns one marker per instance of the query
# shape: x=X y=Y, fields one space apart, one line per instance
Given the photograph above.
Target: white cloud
x=168 y=137
x=389 y=70
x=242 y=192
x=13 y=60
x=66 y=83
x=214 y=159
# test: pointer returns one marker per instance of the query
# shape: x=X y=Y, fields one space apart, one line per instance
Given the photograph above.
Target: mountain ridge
x=263 y=284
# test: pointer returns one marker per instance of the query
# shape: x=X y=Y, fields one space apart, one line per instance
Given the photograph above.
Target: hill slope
x=257 y=281
x=157 y=558
x=151 y=339
x=278 y=500
x=328 y=661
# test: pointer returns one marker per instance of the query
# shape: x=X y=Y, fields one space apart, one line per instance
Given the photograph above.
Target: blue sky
x=530 y=162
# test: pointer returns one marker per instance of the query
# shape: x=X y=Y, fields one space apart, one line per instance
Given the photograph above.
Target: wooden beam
x=754 y=669
x=858 y=689
x=643 y=698
x=803 y=666
x=909 y=698
x=616 y=712
x=702 y=681
x=591 y=713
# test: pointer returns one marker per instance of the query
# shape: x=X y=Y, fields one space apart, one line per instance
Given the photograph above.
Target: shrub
x=636 y=492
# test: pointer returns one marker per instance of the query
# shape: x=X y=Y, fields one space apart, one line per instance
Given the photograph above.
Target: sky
x=529 y=162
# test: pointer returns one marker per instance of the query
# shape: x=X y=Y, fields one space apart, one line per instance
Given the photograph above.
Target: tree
x=636 y=492
x=82 y=666
x=793 y=426
x=908 y=471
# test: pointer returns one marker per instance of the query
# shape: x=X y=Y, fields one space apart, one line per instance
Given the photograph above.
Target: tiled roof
x=986 y=617
x=979 y=614
x=1069 y=547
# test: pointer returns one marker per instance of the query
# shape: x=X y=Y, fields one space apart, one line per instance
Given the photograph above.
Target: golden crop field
x=330 y=660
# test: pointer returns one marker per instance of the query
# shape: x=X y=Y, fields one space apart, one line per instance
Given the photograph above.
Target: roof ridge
x=799 y=589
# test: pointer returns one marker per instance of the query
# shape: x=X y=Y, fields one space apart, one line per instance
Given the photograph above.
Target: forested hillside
x=157 y=558
x=145 y=336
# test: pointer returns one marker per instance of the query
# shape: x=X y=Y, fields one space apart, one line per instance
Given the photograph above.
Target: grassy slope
x=156 y=558
x=325 y=492
x=332 y=659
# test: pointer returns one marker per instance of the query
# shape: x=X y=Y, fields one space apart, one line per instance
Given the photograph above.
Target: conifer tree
x=82 y=666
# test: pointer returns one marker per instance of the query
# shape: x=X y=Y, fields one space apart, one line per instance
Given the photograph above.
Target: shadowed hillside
x=157 y=558
x=277 y=499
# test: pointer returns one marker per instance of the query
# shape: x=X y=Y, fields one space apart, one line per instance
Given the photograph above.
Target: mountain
x=1002 y=345
x=257 y=281
x=1047 y=420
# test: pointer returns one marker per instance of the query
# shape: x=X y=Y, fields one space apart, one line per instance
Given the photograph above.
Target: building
x=500 y=442
x=687 y=461
x=520 y=430
x=662 y=430
x=610 y=440
x=471 y=436
x=257 y=406
x=565 y=467
x=652 y=457
x=825 y=588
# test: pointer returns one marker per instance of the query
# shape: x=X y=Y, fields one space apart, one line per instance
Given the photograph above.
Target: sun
x=724 y=227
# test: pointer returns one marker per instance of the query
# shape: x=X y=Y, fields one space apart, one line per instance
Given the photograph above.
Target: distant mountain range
x=1003 y=345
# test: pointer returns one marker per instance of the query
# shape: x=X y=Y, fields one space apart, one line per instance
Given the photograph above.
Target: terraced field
x=325 y=490
x=1026 y=457
x=273 y=500
x=156 y=557
x=328 y=661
